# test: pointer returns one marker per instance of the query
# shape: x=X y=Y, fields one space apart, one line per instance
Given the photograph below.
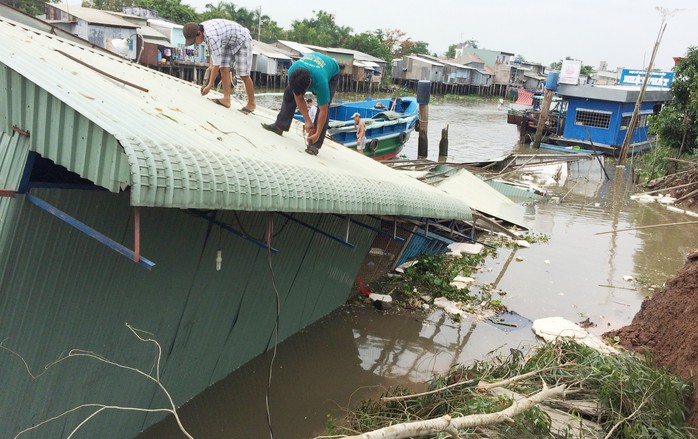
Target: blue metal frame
x=379 y=231
x=304 y=224
x=84 y=228
x=228 y=228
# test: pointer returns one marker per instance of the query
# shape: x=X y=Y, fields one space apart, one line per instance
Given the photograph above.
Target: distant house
x=344 y=57
x=534 y=75
x=96 y=26
x=480 y=76
x=415 y=68
x=603 y=77
x=453 y=73
x=268 y=60
x=367 y=67
x=150 y=43
x=172 y=31
x=292 y=49
x=506 y=70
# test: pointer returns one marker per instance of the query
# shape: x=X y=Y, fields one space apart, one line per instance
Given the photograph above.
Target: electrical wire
x=270 y=228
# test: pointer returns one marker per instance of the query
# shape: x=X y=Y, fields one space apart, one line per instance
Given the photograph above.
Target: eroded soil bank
x=667 y=326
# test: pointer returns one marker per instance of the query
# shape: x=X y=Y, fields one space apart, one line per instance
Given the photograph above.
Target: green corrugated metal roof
x=174 y=148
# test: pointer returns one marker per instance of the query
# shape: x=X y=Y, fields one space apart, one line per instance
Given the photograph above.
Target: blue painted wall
x=611 y=136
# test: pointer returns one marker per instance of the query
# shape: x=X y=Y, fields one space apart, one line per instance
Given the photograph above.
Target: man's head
x=356 y=116
x=299 y=81
x=191 y=31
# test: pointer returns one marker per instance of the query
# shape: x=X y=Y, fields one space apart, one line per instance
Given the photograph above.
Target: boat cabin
x=604 y=112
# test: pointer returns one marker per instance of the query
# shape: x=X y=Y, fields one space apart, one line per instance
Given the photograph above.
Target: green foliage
x=107 y=5
x=172 y=10
x=31 y=7
x=320 y=30
x=635 y=398
x=371 y=43
x=653 y=164
x=433 y=274
x=676 y=124
x=451 y=52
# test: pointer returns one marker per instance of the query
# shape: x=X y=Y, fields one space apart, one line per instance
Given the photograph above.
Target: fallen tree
x=584 y=393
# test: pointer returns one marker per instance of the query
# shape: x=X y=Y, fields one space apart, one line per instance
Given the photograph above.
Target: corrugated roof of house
x=268 y=50
x=94 y=16
x=122 y=125
x=297 y=47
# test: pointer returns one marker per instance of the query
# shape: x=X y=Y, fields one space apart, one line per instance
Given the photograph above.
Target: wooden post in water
x=423 y=91
x=550 y=88
x=443 y=145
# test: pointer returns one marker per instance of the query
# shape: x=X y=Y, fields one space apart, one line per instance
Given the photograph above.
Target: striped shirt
x=224 y=34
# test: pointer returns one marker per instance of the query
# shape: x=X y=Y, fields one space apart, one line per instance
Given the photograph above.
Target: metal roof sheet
x=95 y=16
x=179 y=149
x=268 y=50
x=482 y=197
x=298 y=47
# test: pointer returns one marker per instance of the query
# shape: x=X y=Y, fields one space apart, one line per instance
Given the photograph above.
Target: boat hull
x=389 y=124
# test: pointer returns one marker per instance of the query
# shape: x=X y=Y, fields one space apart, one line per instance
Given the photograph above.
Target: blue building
x=603 y=113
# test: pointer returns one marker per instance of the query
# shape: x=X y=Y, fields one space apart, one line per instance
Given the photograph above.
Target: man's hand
x=205 y=89
x=313 y=137
x=309 y=127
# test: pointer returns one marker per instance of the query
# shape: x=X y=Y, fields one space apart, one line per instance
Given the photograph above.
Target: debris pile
x=682 y=186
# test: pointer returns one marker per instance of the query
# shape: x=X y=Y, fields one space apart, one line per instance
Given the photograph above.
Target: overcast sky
x=620 y=32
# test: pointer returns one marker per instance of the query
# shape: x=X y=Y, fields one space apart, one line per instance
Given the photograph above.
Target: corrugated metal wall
x=60 y=289
x=62 y=134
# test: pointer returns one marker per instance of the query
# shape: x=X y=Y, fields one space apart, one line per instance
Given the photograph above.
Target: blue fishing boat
x=389 y=123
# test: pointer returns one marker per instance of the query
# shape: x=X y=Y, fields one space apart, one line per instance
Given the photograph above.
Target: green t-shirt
x=322 y=68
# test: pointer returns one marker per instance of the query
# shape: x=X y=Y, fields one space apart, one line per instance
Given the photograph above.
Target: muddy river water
x=357 y=352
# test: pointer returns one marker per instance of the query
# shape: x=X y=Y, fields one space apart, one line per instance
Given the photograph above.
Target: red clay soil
x=667 y=326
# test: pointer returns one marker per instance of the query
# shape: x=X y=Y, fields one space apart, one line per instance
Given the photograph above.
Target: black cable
x=270 y=226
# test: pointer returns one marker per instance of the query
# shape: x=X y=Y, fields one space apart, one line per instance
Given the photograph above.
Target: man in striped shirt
x=226 y=41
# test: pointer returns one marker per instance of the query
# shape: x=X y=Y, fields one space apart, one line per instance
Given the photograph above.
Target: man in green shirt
x=318 y=74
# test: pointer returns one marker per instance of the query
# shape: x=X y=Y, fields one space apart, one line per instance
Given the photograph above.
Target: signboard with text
x=569 y=72
x=656 y=79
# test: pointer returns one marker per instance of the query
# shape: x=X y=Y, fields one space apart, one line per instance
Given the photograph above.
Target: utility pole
x=259 y=24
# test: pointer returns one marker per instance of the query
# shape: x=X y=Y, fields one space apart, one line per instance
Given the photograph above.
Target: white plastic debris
x=401 y=268
x=666 y=200
x=461 y=282
x=547 y=261
x=551 y=328
x=519 y=259
x=685 y=212
x=381 y=297
x=459 y=248
x=628 y=278
x=376 y=252
x=449 y=306
x=523 y=243
x=643 y=198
